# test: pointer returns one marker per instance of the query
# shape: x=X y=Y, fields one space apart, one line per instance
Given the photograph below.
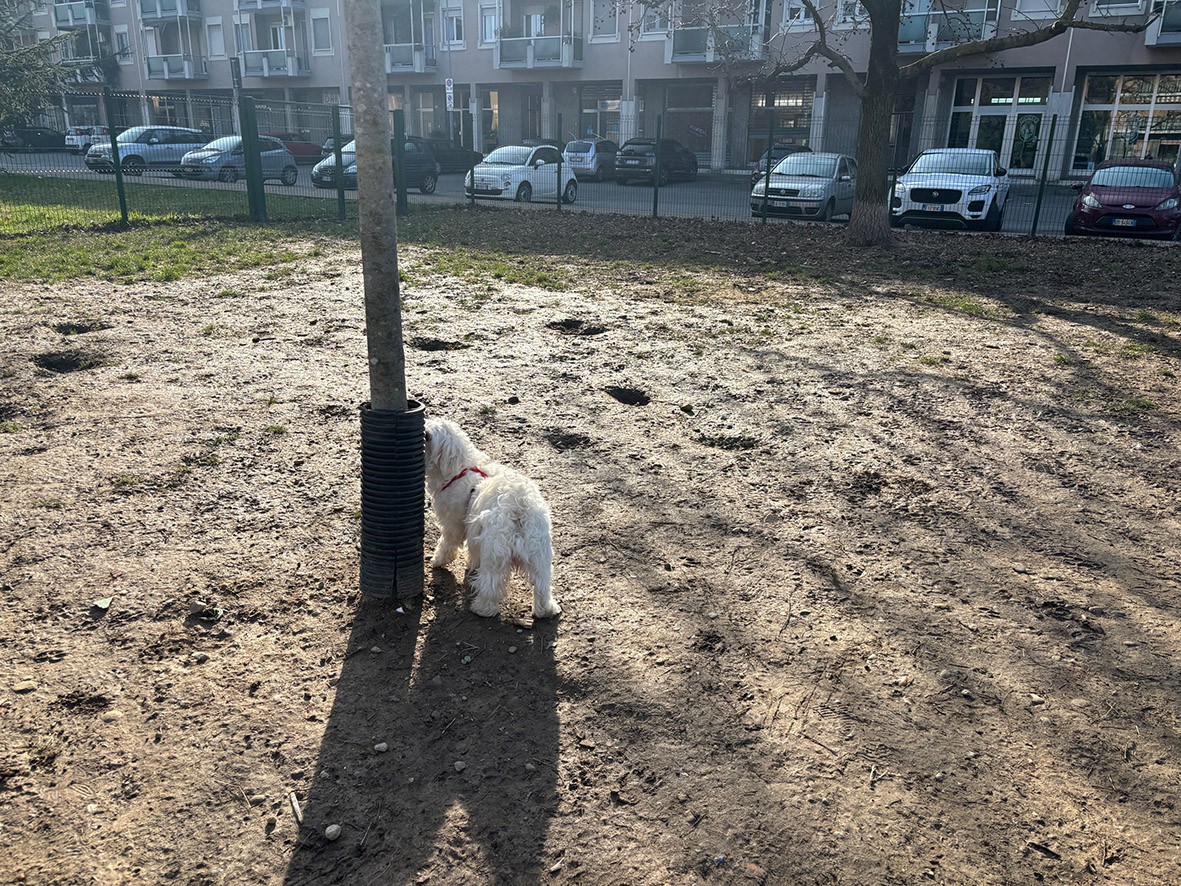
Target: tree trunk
x=869 y=224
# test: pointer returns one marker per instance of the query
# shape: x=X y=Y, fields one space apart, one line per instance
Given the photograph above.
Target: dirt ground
x=869 y=565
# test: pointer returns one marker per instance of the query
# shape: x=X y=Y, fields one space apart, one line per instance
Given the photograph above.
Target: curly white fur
x=502 y=518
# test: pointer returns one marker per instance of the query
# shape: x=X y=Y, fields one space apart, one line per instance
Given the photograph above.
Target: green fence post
x=122 y=191
x=255 y=195
x=469 y=142
x=1041 y=188
x=656 y=170
x=340 y=205
x=402 y=206
x=559 y=164
x=770 y=152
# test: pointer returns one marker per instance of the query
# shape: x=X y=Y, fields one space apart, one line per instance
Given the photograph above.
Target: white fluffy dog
x=498 y=512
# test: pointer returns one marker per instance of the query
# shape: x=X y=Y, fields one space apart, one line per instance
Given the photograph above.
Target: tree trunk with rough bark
x=869 y=224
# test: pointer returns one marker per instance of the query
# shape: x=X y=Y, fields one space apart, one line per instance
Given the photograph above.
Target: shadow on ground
x=467 y=784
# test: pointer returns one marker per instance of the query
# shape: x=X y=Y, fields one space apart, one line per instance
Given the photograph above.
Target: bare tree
x=875 y=88
x=30 y=71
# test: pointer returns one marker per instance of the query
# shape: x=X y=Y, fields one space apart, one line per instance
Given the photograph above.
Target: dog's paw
x=486 y=608
x=547 y=611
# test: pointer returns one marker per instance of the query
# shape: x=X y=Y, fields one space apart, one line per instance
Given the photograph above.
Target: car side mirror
x=153 y=141
x=538 y=163
x=1002 y=172
x=1078 y=186
x=238 y=152
x=846 y=178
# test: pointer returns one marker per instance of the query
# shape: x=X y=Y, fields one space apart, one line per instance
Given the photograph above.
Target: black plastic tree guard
x=392 y=501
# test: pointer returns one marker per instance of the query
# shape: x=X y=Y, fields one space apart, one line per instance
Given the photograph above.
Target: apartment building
x=612 y=67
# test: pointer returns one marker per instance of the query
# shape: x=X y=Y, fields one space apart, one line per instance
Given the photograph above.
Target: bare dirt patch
x=876 y=583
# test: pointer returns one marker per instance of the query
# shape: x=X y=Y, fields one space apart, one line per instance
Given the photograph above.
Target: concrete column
x=477 y=122
x=547 y=110
x=627 y=120
x=717 y=161
x=819 y=115
x=1062 y=148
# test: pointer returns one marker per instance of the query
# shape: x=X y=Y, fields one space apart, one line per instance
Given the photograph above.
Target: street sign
x=450 y=84
x=450 y=101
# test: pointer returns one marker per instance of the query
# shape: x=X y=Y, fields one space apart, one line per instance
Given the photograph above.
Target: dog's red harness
x=471 y=470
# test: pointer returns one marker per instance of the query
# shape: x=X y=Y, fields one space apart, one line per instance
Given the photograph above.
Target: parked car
x=591 y=157
x=1128 y=197
x=424 y=146
x=224 y=159
x=418 y=163
x=637 y=160
x=147 y=147
x=807 y=185
x=80 y=138
x=452 y=156
x=329 y=146
x=963 y=187
x=521 y=173
x=538 y=142
x=41 y=137
x=299 y=147
x=778 y=152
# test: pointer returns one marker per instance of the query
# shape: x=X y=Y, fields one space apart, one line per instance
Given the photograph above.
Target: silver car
x=146 y=147
x=807 y=186
x=224 y=159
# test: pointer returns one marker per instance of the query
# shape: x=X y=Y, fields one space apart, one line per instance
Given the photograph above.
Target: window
x=215 y=38
x=852 y=12
x=453 y=26
x=487 y=24
x=123 y=45
x=604 y=18
x=321 y=32
x=535 y=25
x=1038 y=8
x=795 y=14
x=655 y=21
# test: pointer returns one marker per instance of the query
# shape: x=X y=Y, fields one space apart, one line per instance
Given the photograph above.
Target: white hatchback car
x=522 y=173
x=960 y=186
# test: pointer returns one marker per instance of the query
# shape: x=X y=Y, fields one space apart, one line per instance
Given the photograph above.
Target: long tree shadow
x=466 y=711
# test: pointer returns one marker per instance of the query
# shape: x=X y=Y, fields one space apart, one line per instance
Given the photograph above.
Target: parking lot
x=722 y=195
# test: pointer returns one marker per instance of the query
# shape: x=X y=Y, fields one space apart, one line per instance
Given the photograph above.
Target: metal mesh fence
x=186 y=159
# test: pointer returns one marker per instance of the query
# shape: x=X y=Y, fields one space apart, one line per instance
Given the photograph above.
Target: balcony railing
x=406 y=57
x=928 y=31
x=265 y=5
x=153 y=10
x=563 y=51
x=175 y=67
x=709 y=44
x=274 y=63
x=1166 y=30
x=81 y=14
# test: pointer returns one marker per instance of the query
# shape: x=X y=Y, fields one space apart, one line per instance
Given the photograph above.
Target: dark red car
x=1128 y=197
x=299 y=147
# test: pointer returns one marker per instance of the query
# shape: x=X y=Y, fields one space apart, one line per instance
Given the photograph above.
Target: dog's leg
x=540 y=573
x=449 y=544
x=490 y=583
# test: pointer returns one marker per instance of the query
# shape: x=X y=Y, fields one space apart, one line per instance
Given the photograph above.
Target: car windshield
x=579 y=147
x=350 y=148
x=228 y=143
x=509 y=156
x=1132 y=177
x=809 y=165
x=956 y=164
x=129 y=136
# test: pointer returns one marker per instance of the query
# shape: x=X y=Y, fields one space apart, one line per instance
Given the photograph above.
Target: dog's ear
x=427 y=436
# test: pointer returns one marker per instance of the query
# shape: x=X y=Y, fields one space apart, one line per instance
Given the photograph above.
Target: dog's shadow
x=466 y=784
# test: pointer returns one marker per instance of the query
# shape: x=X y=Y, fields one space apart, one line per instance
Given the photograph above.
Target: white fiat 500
x=963 y=187
x=522 y=173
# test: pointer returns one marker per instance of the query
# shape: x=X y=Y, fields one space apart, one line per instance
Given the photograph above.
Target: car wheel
x=663 y=177
x=992 y=221
x=429 y=183
x=895 y=221
x=826 y=212
x=84 y=149
x=1070 y=225
x=571 y=192
x=693 y=172
x=524 y=193
x=621 y=181
x=228 y=174
x=133 y=166
x=290 y=176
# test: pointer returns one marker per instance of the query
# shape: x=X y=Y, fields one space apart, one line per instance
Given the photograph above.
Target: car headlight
x=1171 y=203
x=506 y=179
x=760 y=190
x=980 y=189
x=212 y=159
x=351 y=170
x=1089 y=200
x=811 y=193
x=467 y=179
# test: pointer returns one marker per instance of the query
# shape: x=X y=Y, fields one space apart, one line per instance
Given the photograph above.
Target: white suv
x=960 y=186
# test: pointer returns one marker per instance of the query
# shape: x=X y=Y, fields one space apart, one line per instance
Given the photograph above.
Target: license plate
x=932 y=207
x=1124 y=222
x=632 y=162
x=779 y=204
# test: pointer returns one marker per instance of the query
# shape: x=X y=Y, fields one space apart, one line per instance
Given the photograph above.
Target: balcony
x=82 y=14
x=175 y=67
x=703 y=45
x=1166 y=29
x=170 y=10
x=268 y=5
x=417 y=58
x=928 y=31
x=274 y=63
x=540 y=52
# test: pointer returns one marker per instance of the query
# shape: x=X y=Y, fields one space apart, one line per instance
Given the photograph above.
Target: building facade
x=612 y=68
